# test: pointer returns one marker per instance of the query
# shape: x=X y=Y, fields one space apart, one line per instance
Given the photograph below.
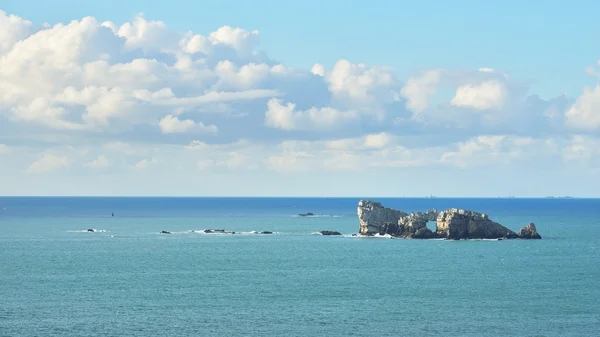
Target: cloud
x=48 y=163
x=172 y=124
x=12 y=30
x=147 y=97
x=286 y=117
x=318 y=69
x=99 y=162
x=350 y=154
x=91 y=76
x=144 y=164
x=487 y=95
x=120 y=147
x=418 y=90
x=585 y=113
x=583 y=150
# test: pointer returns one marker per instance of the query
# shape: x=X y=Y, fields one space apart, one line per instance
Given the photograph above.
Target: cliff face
x=462 y=224
x=372 y=216
x=453 y=223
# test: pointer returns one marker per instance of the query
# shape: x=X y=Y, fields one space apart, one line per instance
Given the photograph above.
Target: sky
x=269 y=98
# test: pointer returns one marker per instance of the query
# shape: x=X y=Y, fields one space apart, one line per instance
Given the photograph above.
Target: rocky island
x=452 y=223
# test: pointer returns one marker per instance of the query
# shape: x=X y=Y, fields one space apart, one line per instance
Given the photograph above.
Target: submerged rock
x=165 y=232
x=330 y=233
x=265 y=232
x=91 y=230
x=306 y=214
x=452 y=224
x=529 y=232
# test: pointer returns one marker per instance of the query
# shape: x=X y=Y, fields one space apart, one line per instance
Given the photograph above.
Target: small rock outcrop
x=529 y=232
x=306 y=214
x=457 y=223
x=217 y=231
x=330 y=233
x=91 y=230
x=452 y=224
x=165 y=232
x=373 y=216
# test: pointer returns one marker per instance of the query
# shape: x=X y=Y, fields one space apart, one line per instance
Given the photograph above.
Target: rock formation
x=413 y=225
x=372 y=216
x=453 y=223
x=457 y=223
x=529 y=232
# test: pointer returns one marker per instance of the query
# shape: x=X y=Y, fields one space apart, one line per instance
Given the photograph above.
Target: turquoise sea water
x=128 y=280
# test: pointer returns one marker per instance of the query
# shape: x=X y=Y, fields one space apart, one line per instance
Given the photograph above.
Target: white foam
x=317 y=216
x=374 y=236
x=258 y=233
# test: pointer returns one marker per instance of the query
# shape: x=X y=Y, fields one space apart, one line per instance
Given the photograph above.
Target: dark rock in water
x=390 y=228
x=306 y=214
x=265 y=232
x=529 y=232
x=165 y=232
x=90 y=230
x=214 y=231
x=424 y=233
x=330 y=233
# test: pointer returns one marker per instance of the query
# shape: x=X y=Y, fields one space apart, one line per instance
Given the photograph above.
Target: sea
x=126 y=279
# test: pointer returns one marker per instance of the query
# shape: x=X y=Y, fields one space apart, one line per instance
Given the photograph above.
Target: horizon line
x=294 y=197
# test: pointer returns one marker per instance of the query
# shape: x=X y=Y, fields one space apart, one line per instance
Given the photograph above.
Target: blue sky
x=451 y=98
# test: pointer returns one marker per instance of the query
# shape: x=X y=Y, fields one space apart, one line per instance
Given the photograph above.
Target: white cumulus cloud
x=172 y=124
x=285 y=116
x=418 y=90
x=585 y=113
x=76 y=94
x=487 y=95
